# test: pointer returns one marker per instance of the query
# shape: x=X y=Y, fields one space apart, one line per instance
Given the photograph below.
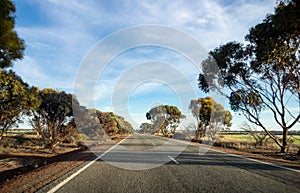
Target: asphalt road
x=144 y=163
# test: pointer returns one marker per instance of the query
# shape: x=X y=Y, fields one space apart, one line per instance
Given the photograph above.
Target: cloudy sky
x=71 y=44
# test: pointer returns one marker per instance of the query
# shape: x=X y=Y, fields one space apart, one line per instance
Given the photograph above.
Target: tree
x=87 y=121
x=53 y=119
x=146 y=128
x=113 y=124
x=262 y=75
x=16 y=99
x=209 y=115
x=165 y=118
x=11 y=46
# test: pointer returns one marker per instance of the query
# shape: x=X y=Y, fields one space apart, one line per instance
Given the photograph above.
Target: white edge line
x=58 y=186
x=234 y=155
x=173 y=160
x=258 y=161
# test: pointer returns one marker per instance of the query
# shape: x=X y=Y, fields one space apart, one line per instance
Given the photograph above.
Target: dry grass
x=248 y=142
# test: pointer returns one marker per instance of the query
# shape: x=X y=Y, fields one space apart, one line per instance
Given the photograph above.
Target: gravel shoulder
x=33 y=177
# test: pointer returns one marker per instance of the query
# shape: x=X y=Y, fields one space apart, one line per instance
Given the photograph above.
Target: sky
x=80 y=45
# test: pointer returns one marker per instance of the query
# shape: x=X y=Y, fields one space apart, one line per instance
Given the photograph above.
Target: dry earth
x=19 y=173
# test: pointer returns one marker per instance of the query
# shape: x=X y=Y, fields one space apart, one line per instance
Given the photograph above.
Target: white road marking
x=258 y=161
x=58 y=186
x=234 y=155
x=173 y=160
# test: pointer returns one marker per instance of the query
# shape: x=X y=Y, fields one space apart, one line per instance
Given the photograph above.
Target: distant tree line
x=211 y=118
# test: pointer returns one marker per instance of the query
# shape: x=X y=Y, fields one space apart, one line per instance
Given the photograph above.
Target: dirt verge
x=41 y=170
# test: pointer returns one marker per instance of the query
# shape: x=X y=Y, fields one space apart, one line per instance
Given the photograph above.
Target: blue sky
x=59 y=34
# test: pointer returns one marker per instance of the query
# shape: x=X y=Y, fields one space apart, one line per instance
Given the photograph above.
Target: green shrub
x=79 y=138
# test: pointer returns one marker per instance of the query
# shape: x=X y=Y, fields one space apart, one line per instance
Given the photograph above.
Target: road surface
x=144 y=163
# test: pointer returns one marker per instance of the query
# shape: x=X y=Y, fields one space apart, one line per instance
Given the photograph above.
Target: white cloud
x=57 y=46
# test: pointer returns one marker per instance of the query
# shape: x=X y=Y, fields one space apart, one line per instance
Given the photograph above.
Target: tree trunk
x=284 y=140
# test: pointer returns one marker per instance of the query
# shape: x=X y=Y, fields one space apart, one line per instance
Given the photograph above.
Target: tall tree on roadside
x=16 y=99
x=11 y=46
x=53 y=119
x=211 y=117
x=264 y=74
x=165 y=118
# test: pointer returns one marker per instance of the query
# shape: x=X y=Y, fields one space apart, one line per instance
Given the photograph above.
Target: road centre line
x=173 y=160
x=58 y=186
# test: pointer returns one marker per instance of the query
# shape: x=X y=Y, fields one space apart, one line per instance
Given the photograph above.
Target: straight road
x=144 y=163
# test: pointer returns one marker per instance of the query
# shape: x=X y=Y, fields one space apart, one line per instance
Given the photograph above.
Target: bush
x=79 y=138
x=8 y=142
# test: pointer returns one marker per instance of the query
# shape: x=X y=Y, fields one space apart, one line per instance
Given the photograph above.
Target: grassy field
x=249 y=138
x=20 y=132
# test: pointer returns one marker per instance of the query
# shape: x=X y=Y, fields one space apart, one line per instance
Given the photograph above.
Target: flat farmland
x=295 y=139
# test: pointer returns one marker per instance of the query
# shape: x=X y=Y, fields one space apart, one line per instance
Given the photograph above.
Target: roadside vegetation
x=259 y=75
x=244 y=140
x=263 y=73
x=50 y=112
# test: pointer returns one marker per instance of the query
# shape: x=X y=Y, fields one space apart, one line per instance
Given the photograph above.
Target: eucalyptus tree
x=211 y=117
x=53 y=118
x=16 y=99
x=165 y=118
x=262 y=75
x=11 y=46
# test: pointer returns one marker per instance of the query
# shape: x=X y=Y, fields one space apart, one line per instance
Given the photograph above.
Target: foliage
x=113 y=124
x=264 y=74
x=11 y=46
x=53 y=119
x=16 y=99
x=209 y=115
x=165 y=118
x=147 y=128
x=87 y=121
x=80 y=138
x=19 y=141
